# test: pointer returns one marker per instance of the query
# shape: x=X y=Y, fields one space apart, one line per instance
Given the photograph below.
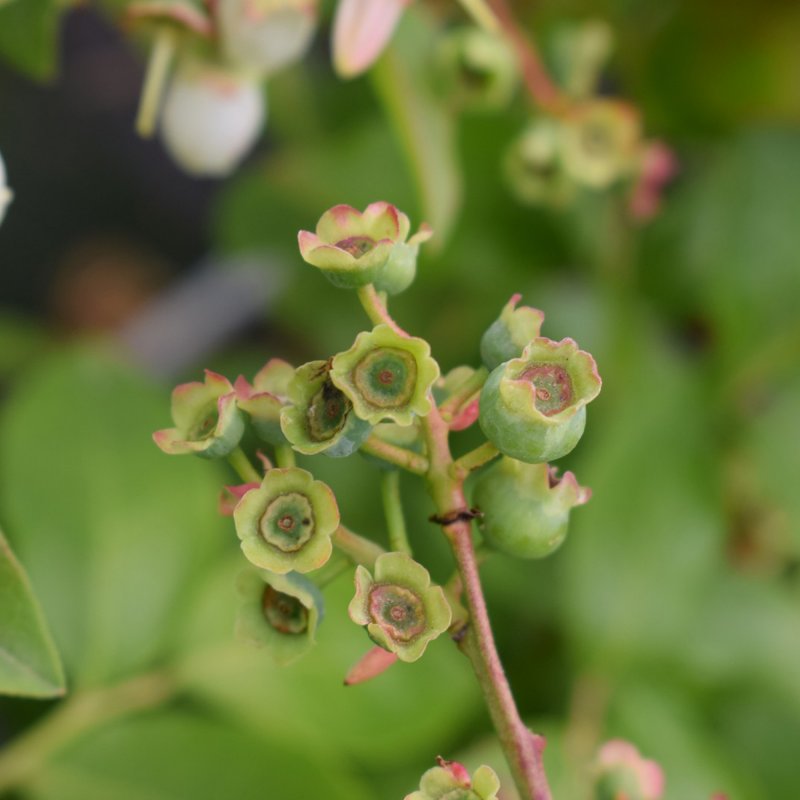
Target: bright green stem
x=155 y=81
x=463 y=394
x=474 y=459
x=393 y=509
x=376 y=308
x=481 y=14
x=394 y=455
x=522 y=748
x=284 y=456
x=358 y=549
x=81 y=712
x=244 y=469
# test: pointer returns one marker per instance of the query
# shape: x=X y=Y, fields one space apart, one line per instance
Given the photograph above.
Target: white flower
x=211 y=118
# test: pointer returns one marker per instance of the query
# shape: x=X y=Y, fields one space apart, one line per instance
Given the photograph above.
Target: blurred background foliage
x=671 y=615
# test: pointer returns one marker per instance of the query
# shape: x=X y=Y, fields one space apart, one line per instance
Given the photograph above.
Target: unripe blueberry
x=508 y=335
x=352 y=248
x=286 y=523
x=601 y=142
x=320 y=416
x=207 y=419
x=279 y=613
x=265 y=398
x=533 y=408
x=621 y=772
x=534 y=165
x=400 y=609
x=526 y=507
x=265 y=35
x=478 y=69
x=386 y=376
x=211 y=118
x=5 y=192
x=451 y=781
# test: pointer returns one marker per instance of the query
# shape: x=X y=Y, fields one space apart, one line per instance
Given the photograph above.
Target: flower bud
x=279 y=613
x=265 y=35
x=352 y=247
x=478 y=69
x=526 y=507
x=508 y=335
x=533 y=408
x=207 y=420
x=320 y=418
x=5 y=192
x=400 y=609
x=622 y=774
x=601 y=142
x=265 y=398
x=451 y=781
x=386 y=376
x=361 y=30
x=287 y=522
x=211 y=118
x=534 y=168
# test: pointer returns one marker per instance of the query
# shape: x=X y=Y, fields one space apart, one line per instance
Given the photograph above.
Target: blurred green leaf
x=29 y=36
x=20 y=339
x=29 y=662
x=173 y=755
x=111 y=530
x=639 y=555
x=412 y=709
x=425 y=129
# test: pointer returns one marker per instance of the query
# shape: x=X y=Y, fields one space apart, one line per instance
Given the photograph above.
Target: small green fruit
x=207 y=420
x=510 y=333
x=526 y=507
x=400 y=609
x=286 y=523
x=279 y=613
x=451 y=781
x=533 y=408
x=265 y=398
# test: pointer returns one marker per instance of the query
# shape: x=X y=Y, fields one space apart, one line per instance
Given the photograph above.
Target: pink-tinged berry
x=451 y=781
x=320 y=417
x=211 y=117
x=352 y=247
x=286 y=523
x=400 y=609
x=525 y=507
x=533 y=408
x=386 y=376
x=279 y=613
x=265 y=35
x=622 y=774
x=265 y=398
x=510 y=333
x=207 y=420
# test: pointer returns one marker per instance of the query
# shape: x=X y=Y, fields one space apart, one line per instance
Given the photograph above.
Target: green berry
x=526 y=507
x=286 y=523
x=400 y=609
x=451 y=781
x=510 y=333
x=207 y=419
x=386 y=375
x=533 y=408
x=320 y=418
x=265 y=398
x=279 y=613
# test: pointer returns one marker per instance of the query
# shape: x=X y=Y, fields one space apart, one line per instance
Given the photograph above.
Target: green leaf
x=174 y=754
x=29 y=662
x=111 y=530
x=425 y=129
x=29 y=36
